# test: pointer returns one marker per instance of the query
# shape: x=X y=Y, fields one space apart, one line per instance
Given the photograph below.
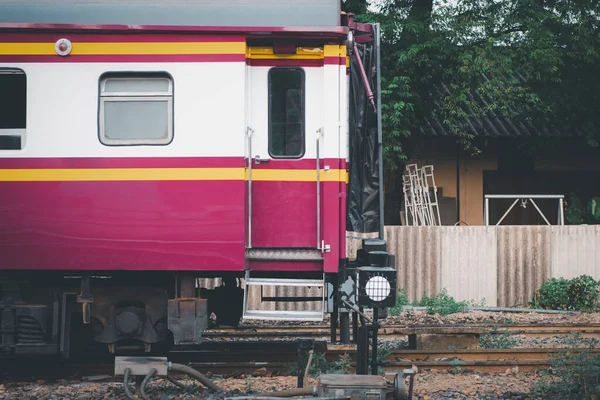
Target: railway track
x=271 y=350
x=279 y=358
x=401 y=331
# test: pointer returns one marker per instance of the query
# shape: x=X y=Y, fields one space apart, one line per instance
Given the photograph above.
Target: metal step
x=255 y=254
x=288 y=315
x=284 y=282
x=285 y=315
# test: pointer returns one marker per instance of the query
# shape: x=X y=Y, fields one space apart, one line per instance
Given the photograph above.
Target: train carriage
x=145 y=145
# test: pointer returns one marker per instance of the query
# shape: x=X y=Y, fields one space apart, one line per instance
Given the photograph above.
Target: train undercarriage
x=53 y=313
x=69 y=314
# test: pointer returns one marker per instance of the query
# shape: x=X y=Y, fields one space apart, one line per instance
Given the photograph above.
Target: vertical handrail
x=249 y=132
x=319 y=132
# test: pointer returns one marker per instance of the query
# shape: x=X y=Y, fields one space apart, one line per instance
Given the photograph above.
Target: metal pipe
x=457 y=183
x=354 y=308
x=345 y=328
x=363 y=75
x=126 y=384
x=249 y=132
x=307 y=391
x=196 y=375
x=281 y=398
x=539 y=211
x=507 y=211
x=362 y=351
x=308 y=364
x=523 y=196
x=379 y=129
x=176 y=382
x=561 y=211
x=502 y=309
x=319 y=131
x=375 y=327
x=145 y=382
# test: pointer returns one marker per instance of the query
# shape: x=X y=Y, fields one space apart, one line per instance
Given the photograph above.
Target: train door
x=285 y=122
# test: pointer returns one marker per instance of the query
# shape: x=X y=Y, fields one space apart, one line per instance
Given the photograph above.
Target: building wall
x=562 y=167
x=470 y=182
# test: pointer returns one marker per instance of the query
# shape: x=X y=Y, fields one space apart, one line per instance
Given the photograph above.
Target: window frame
x=269 y=114
x=104 y=97
x=21 y=133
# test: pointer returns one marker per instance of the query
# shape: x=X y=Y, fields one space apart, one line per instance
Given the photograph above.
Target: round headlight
x=377 y=288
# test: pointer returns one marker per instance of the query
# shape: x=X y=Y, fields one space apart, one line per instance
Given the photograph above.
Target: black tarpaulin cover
x=363 y=185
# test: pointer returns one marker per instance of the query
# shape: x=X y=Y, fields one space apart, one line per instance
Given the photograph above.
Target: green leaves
x=578 y=294
x=523 y=58
x=577 y=214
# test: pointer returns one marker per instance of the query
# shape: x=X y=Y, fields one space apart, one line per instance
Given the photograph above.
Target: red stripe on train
x=114 y=58
x=158 y=162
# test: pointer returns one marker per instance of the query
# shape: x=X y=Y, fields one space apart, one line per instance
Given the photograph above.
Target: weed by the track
x=575 y=373
x=496 y=339
x=320 y=365
x=441 y=303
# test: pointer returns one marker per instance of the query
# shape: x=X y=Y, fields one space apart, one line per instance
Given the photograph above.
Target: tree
x=355 y=6
x=529 y=59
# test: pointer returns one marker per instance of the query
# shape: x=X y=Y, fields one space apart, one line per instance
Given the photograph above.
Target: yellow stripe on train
x=93 y=48
x=169 y=174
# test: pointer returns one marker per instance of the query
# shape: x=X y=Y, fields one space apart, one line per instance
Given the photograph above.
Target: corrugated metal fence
x=502 y=265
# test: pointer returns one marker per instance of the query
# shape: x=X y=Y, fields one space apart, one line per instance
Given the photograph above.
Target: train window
x=13 y=108
x=136 y=109
x=286 y=113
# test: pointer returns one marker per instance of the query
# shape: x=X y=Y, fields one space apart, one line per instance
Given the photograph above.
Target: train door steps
x=290 y=315
x=284 y=254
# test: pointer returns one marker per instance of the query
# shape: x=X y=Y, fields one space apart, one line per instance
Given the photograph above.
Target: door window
x=286 y=113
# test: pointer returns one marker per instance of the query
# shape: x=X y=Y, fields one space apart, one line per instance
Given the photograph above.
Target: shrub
x=583 y=293
x=443 y=304
x=579 y=294
x=575 y=374
x=401 y=300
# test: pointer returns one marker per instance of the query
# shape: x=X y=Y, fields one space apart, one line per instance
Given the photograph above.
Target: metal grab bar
x=249 y=132
x=319 y=247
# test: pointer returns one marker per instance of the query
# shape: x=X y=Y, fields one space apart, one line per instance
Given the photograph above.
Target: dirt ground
x=487 y=317
x=427 y=386
x=472 y=317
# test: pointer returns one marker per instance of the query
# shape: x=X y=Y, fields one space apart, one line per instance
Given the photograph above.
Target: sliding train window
x=286 y=112
x=13 y=108
x=136 y=109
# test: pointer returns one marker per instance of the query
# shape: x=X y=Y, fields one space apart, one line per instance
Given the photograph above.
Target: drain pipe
x=379 y=128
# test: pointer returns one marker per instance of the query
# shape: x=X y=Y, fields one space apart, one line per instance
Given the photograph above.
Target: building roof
x=495 y=123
